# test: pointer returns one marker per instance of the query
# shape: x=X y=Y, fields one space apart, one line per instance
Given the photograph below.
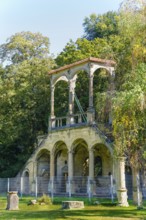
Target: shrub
x=45 y=200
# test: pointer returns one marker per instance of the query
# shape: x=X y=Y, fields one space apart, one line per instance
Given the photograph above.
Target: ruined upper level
x=69 y=74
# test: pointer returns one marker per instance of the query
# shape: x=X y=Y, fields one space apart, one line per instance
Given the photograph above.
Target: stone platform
x=72 y=204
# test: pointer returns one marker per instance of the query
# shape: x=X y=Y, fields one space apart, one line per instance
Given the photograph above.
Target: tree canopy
x=24 y=93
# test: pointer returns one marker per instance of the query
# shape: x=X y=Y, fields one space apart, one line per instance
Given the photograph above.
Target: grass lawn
x=105 y=211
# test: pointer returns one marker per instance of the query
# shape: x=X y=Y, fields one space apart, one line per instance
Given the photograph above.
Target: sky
x=59 y=20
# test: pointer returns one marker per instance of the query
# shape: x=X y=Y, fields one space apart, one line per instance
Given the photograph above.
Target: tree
x=101 y=26
x=24 y=46
x=24 y=106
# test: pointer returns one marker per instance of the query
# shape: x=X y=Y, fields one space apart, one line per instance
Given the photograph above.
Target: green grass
x=105 y=211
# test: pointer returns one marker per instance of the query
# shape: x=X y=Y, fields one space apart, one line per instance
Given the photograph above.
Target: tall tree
x=129 y=107
x=101 y=26
x=24 y=106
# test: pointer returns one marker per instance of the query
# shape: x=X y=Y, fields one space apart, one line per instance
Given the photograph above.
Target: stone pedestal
x=90 y=115
x=12 y=201
x=122 y=197
x=121 y=189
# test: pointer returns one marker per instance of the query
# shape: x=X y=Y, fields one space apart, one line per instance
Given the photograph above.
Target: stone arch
x=60 y=78
x=76 y=71
x=108 y=146
x=103 y=162
x=109 y=70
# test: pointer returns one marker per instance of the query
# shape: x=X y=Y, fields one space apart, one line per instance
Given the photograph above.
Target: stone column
x=91 y=164
x=70 y=164
x=121 y=188
x=137 y=194
x=52 y=116
x=90 y=91
x=52 y=100
x=111 y=91
x=71 y=101
x=52 y=165
x=91 y=110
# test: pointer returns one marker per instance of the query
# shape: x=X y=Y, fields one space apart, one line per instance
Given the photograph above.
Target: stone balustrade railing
x=68 y=121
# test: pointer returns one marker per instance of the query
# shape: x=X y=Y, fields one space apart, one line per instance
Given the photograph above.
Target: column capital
x=70 y=151
x=52 y=87
x=72 y=83
x=91 y=150
x=52 y=152
x=121 y=158
x=90 y=75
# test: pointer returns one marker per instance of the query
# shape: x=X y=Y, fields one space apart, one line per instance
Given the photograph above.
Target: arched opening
x=103 y=165
x=61 y=98
x=81 y=165
x=82 y=91
x=102 y=160
x=101 y=97
x=25 y=188
x=97 y=166
x=61 y=166
x=43 y=170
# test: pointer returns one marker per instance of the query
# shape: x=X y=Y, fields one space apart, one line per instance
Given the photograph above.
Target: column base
x=52 y=122
x=70 y=119
x=90 y=115
x=122 y=197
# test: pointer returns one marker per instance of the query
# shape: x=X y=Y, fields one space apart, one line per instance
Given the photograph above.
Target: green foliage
x=129 y=116
x=45 y=200
x=61 y=99
x=106 y=210
x=24 y=93
x=129 y=112
x=24 y=46
x=83 y=48
x=100 y=26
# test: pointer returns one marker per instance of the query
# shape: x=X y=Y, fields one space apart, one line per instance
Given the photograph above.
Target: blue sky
x=60 y=20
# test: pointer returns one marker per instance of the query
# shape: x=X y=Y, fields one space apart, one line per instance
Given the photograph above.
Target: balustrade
x=68 y=121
